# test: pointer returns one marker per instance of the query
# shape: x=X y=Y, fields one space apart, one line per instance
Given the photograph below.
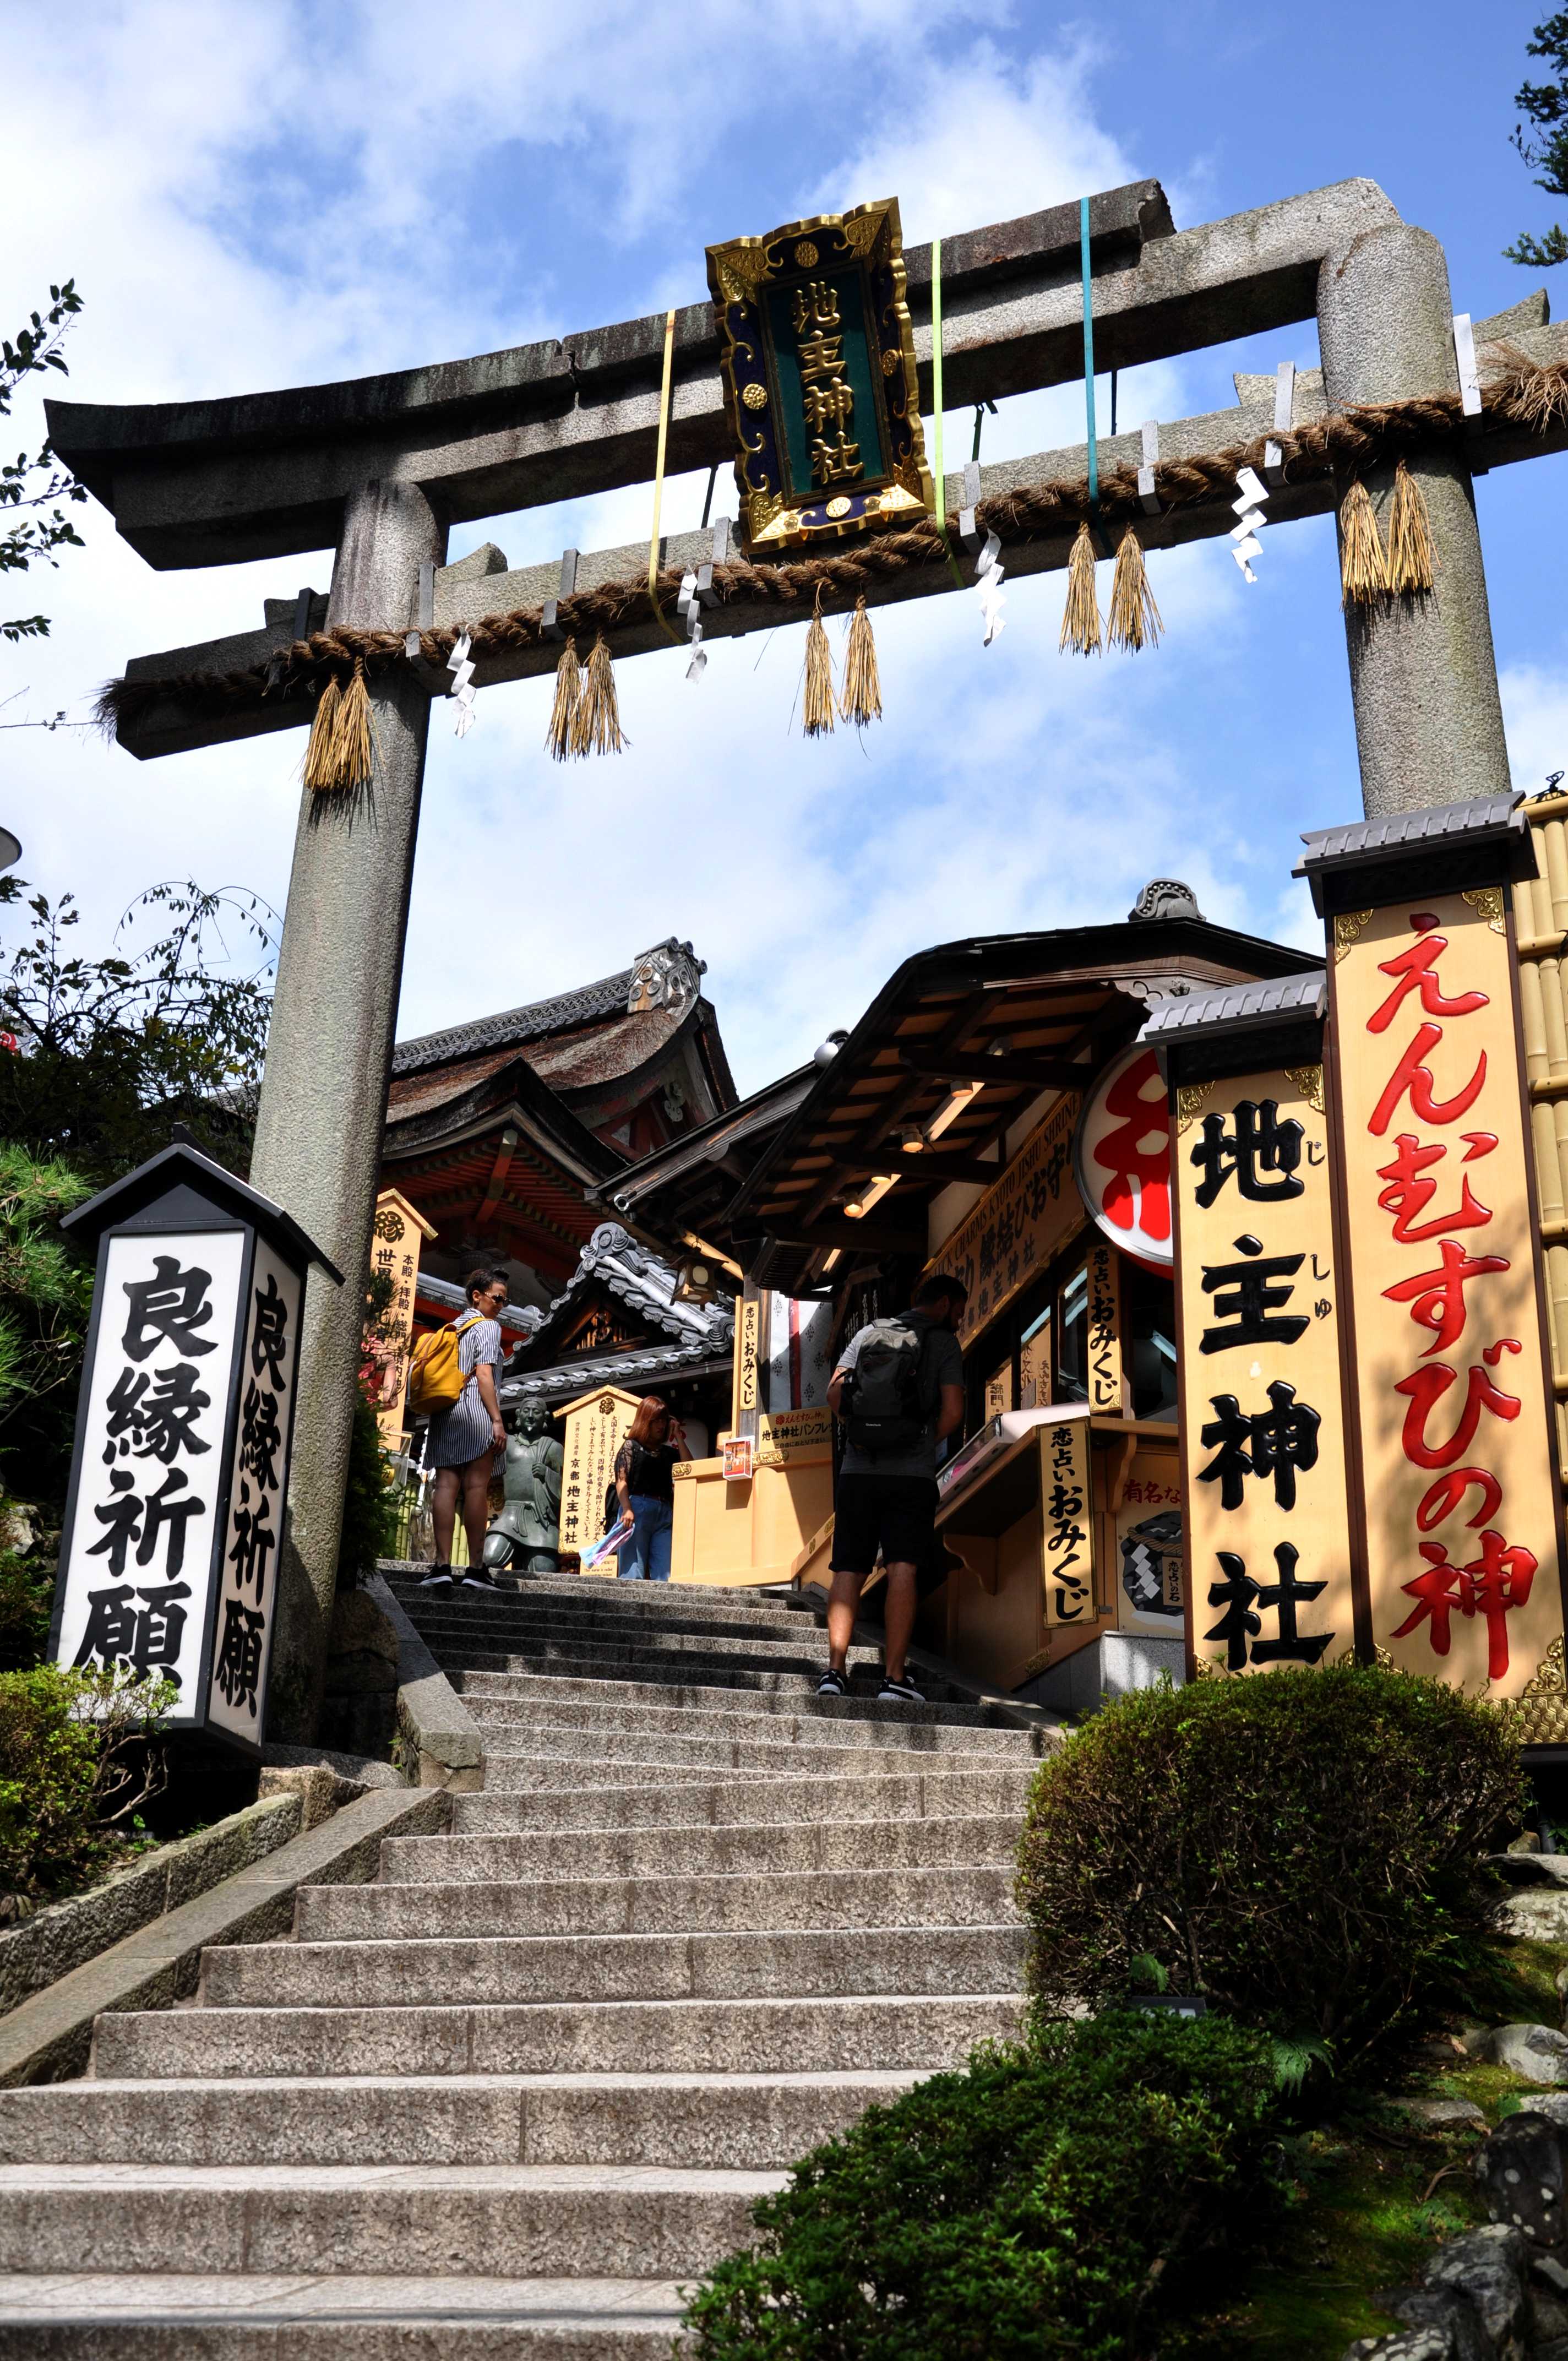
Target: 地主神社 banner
x=1449 y=1372
x=1267 y=1512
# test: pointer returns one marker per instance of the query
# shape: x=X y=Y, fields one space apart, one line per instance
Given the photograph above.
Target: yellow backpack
x=435 y=1373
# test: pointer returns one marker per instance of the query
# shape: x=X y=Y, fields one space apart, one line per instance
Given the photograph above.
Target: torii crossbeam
x=379 y=469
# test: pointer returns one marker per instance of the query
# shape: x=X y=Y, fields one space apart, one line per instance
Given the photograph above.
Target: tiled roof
x=568 y=1378
x=1438 y=824
x=513 y=1026
x=1235 y=1006
x=646 y=1285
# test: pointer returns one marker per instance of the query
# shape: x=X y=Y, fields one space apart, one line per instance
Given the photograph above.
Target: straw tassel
x=816 y=704
x=1412 y=561
x=339 y=758
x=596 y=725
x=559 y=736
x=1135 y=619
x=1363 y=572
x=862 y=684
x=318 y=752
x=1081 y=618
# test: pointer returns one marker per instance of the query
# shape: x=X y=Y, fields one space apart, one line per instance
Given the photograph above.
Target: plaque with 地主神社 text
x=1452 y=1380
x=819 y=378
x=169 y=1554
x=1268 y=1518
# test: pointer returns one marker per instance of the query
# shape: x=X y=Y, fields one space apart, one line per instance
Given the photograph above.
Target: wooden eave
x=1077 y=994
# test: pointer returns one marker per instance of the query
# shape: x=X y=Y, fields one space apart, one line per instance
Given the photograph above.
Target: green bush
x=26 y=1603
x=1304 y=1847
x=370 y=1503
x=78 y=1754
x=1035 y=2205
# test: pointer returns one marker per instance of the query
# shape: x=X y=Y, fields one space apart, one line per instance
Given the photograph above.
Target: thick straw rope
x=1522 y=393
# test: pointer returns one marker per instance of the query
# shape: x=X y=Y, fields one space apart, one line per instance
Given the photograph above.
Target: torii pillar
x=329 y=1060
x=1429 y=724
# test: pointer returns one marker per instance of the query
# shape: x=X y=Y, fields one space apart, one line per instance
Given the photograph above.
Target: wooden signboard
x=596 y=1424
x=1450 y=1375
x=1150 y=1592
x=1105 y=1348
x=1263 y=1426
x=401 y=1231
x=1067 y=1548
x=1017 y=1226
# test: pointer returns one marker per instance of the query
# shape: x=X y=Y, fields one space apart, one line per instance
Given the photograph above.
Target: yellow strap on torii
x=665 y=623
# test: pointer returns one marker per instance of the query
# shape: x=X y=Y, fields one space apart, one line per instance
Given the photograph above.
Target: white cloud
x=1535 y=719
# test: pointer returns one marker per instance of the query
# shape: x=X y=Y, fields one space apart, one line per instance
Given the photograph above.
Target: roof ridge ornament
x=668 y=976
x=1165 y=897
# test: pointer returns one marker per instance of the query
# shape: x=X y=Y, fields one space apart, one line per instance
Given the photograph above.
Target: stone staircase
x=509 y=2099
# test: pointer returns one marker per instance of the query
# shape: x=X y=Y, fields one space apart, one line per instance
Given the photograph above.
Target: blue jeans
x=646 y=1557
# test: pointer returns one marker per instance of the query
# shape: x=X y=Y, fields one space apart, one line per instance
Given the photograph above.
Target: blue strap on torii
x=1089 y=357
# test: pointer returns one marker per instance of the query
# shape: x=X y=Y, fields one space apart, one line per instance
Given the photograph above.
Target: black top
x=647 y=1473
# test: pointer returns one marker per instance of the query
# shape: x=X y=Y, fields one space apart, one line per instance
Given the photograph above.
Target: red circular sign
x=1121 y=1156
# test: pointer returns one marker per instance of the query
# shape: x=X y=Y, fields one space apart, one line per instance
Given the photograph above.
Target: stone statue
x=526 y=1534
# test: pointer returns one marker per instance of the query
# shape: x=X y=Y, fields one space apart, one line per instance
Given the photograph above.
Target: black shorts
x=896 y=1514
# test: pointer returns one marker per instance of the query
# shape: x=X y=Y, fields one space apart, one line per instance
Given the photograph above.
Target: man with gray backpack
x=898 y=1391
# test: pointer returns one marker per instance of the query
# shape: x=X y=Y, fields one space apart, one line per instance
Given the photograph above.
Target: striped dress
x=462 y=1432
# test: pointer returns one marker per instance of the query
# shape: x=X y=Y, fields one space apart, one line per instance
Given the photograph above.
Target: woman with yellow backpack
x=451 y=1380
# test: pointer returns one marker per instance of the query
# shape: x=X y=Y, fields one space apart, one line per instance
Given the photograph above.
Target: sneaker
x=478 y=1577
x=438 y=1579
x=832 y=1684
x=899 y=1693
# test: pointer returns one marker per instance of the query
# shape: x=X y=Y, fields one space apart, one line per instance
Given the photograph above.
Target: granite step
x=604 y=1595
x=798 y=1674
x=657 y=1906
x=728 y=1965
x=746 y=2122
x=745 y=1848
x=471 y=1612
x=920 y=2033
x=540 y=2221
x=706 y=1689
x=277 y=2316
x=605 y=1753
x=762 y=1693
x=690 y=1799
x=495 y=1703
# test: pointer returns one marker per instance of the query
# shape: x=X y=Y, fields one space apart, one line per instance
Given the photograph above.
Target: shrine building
x=501 y=1130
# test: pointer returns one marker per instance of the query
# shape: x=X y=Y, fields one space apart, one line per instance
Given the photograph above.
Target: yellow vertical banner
x=745 y=1397
x=595 y=1426
x=1067 y=1559
x=1105 y=1349
x=1452 y=1390
x=1262 y=1423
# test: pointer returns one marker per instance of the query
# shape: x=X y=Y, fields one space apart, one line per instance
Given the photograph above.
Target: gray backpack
x=887 y=1408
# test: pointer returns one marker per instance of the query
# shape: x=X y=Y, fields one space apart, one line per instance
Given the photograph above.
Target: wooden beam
x=931 y=1164
x=1036 y=1073
x=870 y=1238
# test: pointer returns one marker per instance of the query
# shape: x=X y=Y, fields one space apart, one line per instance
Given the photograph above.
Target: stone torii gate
x=380 y=469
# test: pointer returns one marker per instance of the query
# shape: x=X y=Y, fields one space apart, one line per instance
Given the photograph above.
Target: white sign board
x=136 y=1577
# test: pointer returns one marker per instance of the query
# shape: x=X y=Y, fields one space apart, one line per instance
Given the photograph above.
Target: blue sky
x=253 y=197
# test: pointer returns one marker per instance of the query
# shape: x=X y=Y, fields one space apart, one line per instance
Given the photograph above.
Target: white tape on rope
x=462 y=672
x=990 y=575
x=689 y=604
x=1245 y=542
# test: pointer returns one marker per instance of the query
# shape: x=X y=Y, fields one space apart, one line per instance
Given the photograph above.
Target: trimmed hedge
x=1303 y=1847
x=1044 y=2201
